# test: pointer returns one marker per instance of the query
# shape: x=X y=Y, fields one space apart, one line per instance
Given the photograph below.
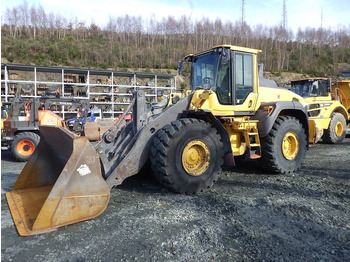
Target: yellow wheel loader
x=327 y=116
x=186 y=138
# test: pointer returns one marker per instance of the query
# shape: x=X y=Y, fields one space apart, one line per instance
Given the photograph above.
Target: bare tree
x=12 y=19
x=42 y=19
x=33 y=20
x=134 y=41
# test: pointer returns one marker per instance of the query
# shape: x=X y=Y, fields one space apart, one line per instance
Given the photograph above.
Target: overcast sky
x=300 y=13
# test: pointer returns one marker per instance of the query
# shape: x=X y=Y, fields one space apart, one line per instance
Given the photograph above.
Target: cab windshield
x=310 y=88
x=204 y=70
x=212 y=71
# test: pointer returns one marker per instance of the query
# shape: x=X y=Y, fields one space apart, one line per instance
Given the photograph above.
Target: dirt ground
x=247 y=215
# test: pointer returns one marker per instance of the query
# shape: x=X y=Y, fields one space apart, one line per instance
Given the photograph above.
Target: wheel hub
x=25 y=147
x=290 y=146
x=339 y=129
x=195 y=157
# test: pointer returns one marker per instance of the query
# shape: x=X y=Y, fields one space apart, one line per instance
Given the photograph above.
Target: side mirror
x=225 y=56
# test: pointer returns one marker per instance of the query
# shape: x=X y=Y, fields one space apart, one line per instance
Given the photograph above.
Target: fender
x=279 y=108
x=341 y=110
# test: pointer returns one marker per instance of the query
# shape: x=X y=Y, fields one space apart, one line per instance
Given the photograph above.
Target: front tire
x=187 y=155
x=23 y=145
x=336 y=131
x=284 y=148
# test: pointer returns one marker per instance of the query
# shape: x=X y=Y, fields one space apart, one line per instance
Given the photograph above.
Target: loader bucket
x=61 y=184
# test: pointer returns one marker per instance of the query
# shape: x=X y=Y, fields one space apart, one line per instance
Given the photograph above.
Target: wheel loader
x=327 y=116
x=187 y=138
x=20 y=130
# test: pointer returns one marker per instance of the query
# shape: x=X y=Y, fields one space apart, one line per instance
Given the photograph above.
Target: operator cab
x=311 y=87
x=214 y=69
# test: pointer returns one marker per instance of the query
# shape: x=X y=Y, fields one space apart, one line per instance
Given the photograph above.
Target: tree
x=134 y=41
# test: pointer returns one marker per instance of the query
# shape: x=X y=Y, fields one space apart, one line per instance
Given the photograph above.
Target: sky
x=300 y=13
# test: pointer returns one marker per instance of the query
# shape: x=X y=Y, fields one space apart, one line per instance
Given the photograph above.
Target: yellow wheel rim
x=290 y=146
x=339 y=129
x=195 y=157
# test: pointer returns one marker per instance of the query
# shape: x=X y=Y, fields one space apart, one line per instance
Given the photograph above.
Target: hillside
x=127 y=42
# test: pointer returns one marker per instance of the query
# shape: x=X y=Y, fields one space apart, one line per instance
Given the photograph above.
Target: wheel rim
x=25 y=147
x=339 y=129
x=290 y=146
x=195 y=158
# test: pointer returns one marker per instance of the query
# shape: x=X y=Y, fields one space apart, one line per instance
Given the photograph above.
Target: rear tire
x=284 y=148
x=187 y=155
x=336 y=131
x=23 y=145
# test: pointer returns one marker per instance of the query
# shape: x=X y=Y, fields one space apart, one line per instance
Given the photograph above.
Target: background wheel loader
x=20 y=130
x=187 y=138
x=327 y=116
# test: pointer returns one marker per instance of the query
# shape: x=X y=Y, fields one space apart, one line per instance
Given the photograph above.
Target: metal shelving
x=106 y=89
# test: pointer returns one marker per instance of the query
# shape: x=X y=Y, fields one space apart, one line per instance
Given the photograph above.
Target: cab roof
x=232 y=47
x=309 y=79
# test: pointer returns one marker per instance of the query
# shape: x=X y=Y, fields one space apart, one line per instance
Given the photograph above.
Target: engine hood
x=268 y=94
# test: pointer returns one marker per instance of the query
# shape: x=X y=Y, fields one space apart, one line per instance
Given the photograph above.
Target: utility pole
x=242 y=17
x=284 y=15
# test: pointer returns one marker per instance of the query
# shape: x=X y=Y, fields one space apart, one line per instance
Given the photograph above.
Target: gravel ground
x=247 y=215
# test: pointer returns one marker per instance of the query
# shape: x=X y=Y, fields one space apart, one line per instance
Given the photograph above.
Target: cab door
x=245 y=83
x=236 y=84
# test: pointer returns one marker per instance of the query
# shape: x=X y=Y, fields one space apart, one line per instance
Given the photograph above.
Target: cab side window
x=323 y=90
x=243 y=76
